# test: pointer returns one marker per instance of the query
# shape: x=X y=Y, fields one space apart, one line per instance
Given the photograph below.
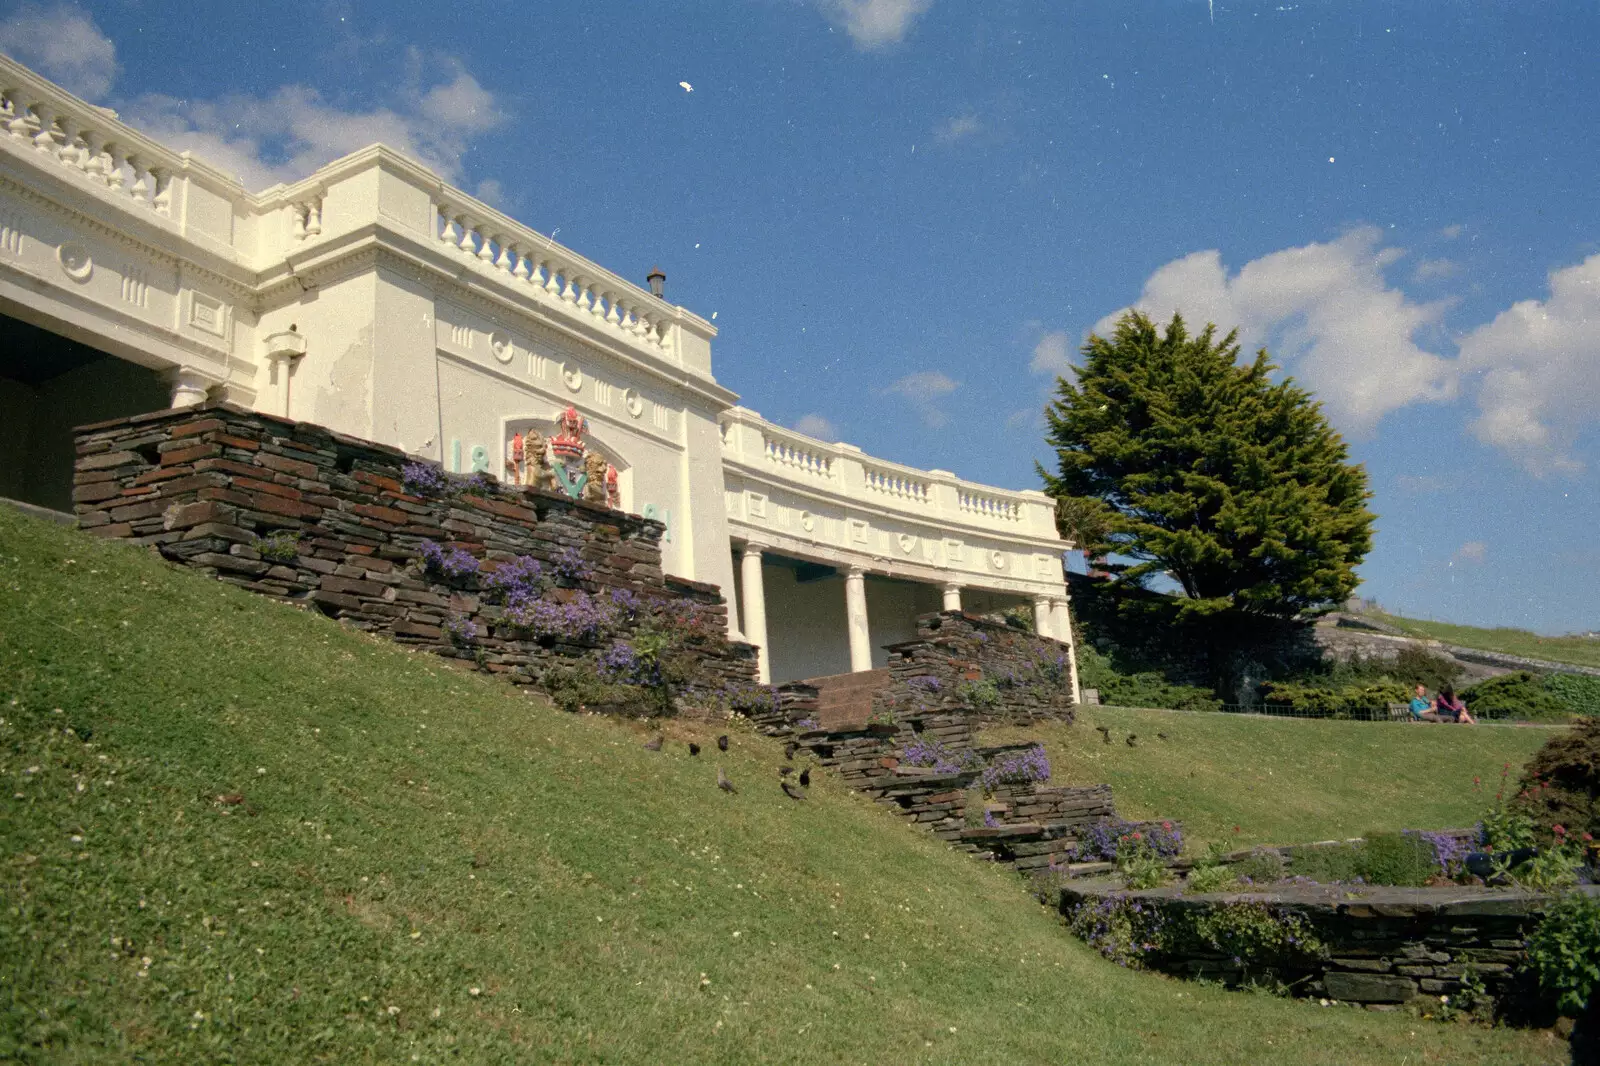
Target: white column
x=188 y=386
x=855 y=609
x=1043 y=623
x=754 y=613
x=952 y=597
x=1064 y=634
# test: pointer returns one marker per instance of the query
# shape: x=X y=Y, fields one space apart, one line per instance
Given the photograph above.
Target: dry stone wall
x=205 y=485
x=996 y=673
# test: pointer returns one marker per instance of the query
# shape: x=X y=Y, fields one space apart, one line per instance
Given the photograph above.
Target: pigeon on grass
x=723 y=782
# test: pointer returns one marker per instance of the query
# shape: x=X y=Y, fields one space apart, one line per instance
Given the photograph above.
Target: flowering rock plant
x=1018 y=768
x=1125 y=930
x=939 y=758
x=1104 y=840
x=450 y=565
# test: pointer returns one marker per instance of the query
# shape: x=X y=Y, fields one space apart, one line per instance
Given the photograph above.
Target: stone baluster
x=569 y=288
x=70 y=153
x=552 y=282
x=449 y=231
x=611 y=308
x=314 y=217
x=507 y=259
x=486 y=245
x=94 y=162
x=161 y=186
x=140 y=189
x=519 y=267
x=468 y=231
x=297 y=215
x=45 y=139
x=117 y=158
x=18 y=123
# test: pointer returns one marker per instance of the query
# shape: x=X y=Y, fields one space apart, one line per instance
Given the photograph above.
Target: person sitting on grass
x=1420 y=703
x=1449 y=708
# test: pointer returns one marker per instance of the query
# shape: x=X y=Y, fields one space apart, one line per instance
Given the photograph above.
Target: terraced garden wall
x=995 y=673
x=293 y=511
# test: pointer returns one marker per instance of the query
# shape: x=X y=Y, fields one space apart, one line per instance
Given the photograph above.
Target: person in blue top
x=1420 y=703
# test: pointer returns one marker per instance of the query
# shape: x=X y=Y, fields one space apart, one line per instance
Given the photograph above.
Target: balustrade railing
x=547 y=269
x=988 y=506
x=796 y=457
x=897 y=485
x=86 y=140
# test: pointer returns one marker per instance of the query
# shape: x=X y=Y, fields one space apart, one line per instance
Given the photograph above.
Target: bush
x=1561 y=783
x=1380 y=859
x=1148 y=689
x=1254 y=935
x=1520 y=695
x=1564 y=952
x=1204 y=879
x=980 y=695
x=1580 y=692
x=1124 y=930
x=1360 y=700
x=1104 y=841
x=1260 y=867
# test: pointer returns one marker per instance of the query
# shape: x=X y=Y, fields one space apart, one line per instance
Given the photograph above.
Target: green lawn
x=1582 y=651
x=1284 y=781
x=236 y=832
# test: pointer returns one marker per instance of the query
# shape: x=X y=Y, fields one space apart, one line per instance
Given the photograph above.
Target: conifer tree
x=1206 y=469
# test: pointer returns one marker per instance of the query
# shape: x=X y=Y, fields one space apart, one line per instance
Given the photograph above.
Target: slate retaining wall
x=966 y=657
x=202 y=484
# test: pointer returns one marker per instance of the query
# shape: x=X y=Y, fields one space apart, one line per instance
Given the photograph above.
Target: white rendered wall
x=892 y=610
x=805 y=625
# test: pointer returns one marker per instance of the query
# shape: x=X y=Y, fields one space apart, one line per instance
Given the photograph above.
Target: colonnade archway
x=808 y=621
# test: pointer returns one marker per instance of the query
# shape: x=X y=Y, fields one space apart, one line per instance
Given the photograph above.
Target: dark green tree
x=1209 y=471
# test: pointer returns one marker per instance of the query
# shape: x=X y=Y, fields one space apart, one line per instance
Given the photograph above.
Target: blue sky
x=907 y=214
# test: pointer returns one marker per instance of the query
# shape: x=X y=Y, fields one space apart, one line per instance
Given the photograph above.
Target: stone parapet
x=205 y=485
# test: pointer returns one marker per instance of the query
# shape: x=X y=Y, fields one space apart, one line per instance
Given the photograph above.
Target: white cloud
x=1539 y=362
x=956 y=127
x=1432 y=269
x=815 y=425
x=285 y=135
x=922 y=389
x=491 y=192
x=1324 y=311
x=1472 y=553
x=1052 y=355
x=1451 y=232
x=64 y=45
x=874 y=24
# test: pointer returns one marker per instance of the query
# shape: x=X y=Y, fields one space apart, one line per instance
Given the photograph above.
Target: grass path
x=1283 y=781
x=236 y=832
x=1581 y=651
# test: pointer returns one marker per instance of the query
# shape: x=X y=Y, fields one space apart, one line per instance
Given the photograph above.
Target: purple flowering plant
x=1018 y=768
x=939 y=758
x=1123 y=929
x=1104 y=840
x=452 y=565
x=460 y=630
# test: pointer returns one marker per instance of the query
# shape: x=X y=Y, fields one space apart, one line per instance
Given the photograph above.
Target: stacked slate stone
x=205 y=485
x=1028 y=673
x=1385 y=946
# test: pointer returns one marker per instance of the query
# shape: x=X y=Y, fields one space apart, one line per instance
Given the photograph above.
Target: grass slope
x=428 y=866
x=1581 y=651
x=1284 y=781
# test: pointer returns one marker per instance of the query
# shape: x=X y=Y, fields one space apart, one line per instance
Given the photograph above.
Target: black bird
x=1105 y=734
x=722 y=742
x=785 y=771
x=790 y=791
x=694 y=749
x=723 y=782
x=789 y=749
x=1161 y=736
x=654 y=743
x=805 y=777
x=1133 y=739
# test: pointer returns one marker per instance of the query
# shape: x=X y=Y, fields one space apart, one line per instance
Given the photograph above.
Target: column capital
x=189 y=385
x=952 y=587
x=751 y=551
x=855 y=572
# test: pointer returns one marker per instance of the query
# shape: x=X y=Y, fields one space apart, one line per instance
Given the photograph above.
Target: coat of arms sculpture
x=563 y=462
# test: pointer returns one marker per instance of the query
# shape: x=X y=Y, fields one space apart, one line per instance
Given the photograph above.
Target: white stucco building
x=373 y=298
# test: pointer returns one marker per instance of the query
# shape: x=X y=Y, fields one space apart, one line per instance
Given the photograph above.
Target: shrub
x=1254 y=935
x=1140 y=865
x=1124 y=930
x=579 y=687
x=1211 y=878
x=980 y=695
x=1397 y=859
x=1561 y=783
x=1520 y=695
x=1359 y=700
x=1260 y=867
x=1564 y=951
x=1580 y=692
x=1148 y=689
